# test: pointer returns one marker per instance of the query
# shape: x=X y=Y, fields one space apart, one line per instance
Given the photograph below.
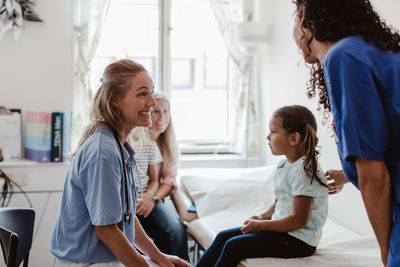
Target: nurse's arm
x=120 y=246
x=144 y=243
x=375 y=186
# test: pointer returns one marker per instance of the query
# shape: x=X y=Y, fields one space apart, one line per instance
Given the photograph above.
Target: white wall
x=36 y=75
x=389 y=11
x=283 y=77
x=36 y=70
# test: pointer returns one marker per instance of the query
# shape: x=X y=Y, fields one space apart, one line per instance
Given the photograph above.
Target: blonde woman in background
x=158 y=180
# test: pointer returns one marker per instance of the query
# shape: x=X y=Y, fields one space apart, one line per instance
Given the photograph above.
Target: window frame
x=164 y=79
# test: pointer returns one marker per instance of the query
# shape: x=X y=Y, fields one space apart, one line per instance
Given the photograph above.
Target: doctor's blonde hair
x=115 y=83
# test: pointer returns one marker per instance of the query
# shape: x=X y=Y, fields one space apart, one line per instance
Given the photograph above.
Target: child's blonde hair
x=300 y=119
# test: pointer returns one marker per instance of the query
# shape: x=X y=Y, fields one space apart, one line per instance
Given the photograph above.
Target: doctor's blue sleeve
x=101 y=187
x=359 y=115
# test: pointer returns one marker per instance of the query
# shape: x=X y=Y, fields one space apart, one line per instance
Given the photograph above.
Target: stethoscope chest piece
x=127 y=217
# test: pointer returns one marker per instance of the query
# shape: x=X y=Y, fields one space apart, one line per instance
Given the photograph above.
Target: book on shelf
x=48 y=136
x=38 y=136
x=56 y=136
x=11 y=136
x=66 y=135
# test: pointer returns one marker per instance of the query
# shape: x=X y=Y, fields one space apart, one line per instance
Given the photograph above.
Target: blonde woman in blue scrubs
x=97 y=225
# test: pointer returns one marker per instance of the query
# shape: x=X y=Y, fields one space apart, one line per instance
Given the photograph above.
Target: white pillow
x=231 y=194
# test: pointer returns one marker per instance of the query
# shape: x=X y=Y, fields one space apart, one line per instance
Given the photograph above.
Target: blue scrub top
x=363 y=85
x=94 y=194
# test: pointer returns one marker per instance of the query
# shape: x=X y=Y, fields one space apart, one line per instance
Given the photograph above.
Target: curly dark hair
x=330 y=21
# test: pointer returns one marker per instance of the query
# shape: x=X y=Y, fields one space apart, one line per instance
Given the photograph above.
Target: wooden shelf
x=27 y=163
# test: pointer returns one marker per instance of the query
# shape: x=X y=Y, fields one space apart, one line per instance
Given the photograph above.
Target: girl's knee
x=223 y=236
x=232 y=245
x=228 y=233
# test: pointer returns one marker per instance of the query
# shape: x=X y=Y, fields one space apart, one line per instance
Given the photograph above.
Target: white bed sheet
x=224 y=198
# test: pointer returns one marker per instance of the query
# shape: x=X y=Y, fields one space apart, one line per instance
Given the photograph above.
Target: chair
x=16 y=231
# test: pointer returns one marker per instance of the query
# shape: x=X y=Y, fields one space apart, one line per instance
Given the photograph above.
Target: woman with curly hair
x=355 y=69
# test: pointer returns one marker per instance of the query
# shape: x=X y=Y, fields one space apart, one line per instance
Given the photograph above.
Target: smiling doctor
x=97 y=225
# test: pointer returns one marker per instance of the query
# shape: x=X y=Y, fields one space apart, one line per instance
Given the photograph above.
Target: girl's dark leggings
x=231 y=246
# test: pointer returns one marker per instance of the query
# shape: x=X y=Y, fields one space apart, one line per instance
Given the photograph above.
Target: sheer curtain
x=88 y=19
x=243 y=95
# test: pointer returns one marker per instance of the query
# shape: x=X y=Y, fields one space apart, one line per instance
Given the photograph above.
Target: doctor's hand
x=165 y=260
x=146 y=205
x=251 y=226
x=336 y=181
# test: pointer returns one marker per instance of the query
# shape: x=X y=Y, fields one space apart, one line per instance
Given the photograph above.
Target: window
x=193 y=52
x=183 y=75
x=130 y=31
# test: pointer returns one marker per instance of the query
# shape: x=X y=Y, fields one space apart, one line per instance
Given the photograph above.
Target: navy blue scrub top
x=363 y=85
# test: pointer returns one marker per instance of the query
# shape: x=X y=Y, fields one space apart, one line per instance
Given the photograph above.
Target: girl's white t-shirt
x=291 y=181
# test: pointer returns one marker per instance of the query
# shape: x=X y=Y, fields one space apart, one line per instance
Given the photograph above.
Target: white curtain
x=88 y=19
x=243 y=112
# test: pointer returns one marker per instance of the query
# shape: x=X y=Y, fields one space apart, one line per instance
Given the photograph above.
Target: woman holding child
x=355 y=67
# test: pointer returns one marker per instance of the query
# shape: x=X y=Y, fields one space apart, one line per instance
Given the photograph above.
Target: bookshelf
x=17 y=163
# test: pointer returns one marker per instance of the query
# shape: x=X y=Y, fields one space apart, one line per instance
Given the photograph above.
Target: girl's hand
x=256 y=217
x=146 y=205
x=251 y=226
x=336 y=181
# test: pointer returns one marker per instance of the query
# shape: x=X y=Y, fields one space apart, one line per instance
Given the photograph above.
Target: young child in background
x=292 y=226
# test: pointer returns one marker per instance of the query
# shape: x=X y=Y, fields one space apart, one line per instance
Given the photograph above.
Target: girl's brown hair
x=115 y=83
x=300 y=119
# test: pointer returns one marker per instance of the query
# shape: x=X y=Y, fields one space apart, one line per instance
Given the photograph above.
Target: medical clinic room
x=200 y=133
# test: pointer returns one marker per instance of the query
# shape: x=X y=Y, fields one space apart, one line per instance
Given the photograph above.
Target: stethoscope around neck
x=127 y=214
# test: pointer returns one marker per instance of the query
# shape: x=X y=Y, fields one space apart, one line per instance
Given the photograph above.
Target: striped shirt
x=144 y=157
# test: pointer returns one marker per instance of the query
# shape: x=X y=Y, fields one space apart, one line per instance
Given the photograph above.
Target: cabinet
x=42 y=183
